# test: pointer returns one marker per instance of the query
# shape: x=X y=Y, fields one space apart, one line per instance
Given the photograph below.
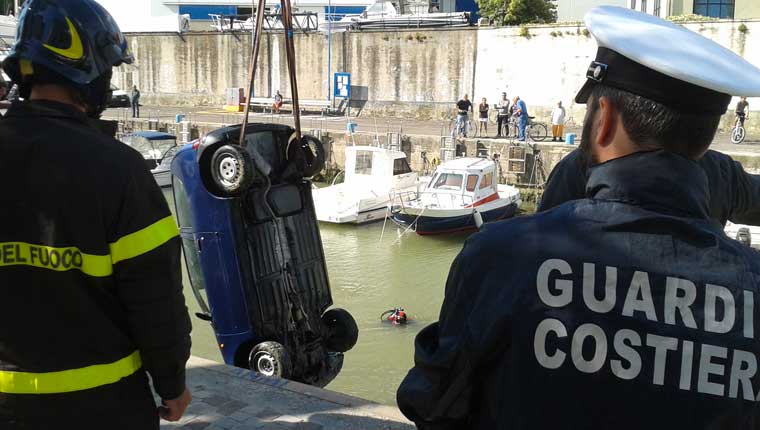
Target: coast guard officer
x=626 y=310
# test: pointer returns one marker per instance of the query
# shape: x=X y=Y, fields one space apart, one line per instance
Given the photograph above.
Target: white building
x=171 y=15
x=573 y=10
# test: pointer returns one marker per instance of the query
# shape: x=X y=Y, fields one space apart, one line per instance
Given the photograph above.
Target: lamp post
x=329 y=48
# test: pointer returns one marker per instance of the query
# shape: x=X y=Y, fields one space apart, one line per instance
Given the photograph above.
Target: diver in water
x=396 y=316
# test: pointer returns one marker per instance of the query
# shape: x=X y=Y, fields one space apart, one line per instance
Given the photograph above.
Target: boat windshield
x=448 y=181
x=150 y=149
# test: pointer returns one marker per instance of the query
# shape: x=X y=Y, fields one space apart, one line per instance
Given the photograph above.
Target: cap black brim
x=582 y=97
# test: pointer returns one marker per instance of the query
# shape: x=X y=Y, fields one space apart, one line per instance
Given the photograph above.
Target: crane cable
x=287 y=25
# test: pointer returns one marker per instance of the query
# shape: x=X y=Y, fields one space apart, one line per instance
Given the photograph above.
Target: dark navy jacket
x=627 y=310
x=734 y=193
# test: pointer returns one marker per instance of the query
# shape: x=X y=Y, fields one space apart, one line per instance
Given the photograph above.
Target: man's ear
x=606 y=122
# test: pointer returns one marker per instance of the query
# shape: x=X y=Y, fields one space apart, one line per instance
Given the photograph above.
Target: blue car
x=254 y=253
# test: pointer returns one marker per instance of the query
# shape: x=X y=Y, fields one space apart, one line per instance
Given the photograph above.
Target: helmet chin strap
x=97 y=95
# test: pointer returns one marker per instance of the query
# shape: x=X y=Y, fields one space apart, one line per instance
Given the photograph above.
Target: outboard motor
x=254 y=253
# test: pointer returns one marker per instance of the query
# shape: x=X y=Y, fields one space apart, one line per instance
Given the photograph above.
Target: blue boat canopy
x=154 y=135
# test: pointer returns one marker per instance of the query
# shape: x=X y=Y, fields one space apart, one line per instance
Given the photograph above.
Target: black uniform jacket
x=627 y=310
x=734 y=193
x=90 y=276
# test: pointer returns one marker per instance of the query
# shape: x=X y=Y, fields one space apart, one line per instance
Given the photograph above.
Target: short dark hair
x=652 y=125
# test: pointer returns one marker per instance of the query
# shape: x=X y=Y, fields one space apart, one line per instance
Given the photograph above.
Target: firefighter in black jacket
x=89 y=252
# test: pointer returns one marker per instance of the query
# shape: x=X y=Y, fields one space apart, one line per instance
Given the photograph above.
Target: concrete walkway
x=229 y=398
x=212 y=115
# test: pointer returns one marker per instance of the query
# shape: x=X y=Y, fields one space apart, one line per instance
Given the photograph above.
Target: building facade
x=574 y=10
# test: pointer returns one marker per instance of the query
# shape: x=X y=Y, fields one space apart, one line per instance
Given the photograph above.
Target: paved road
x=364 y=124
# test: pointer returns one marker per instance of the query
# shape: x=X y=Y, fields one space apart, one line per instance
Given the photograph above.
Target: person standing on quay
x=136 y=102
x=90 y=274
x=464 y=107
x=632 y=299
x=558 y=122
x=502 y=118
x=483 y=118
x=521 y=112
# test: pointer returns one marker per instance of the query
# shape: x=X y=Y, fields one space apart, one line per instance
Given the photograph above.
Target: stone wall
x=406 y=74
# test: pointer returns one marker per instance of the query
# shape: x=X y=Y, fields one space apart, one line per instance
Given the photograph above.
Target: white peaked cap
x=665 y=62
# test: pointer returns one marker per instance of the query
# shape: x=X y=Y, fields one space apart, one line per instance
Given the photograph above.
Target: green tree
x=516 y=12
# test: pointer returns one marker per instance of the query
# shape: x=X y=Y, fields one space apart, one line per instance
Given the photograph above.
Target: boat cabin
x=463 y=182
x=376 y=168
x=153 y=145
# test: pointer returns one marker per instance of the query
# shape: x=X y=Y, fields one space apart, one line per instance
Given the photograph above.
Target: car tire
x=270 y=359
x=308 y=155
x=342 y=331
x=232 y=171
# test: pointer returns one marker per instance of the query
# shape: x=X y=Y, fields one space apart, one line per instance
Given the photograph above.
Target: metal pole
x=252 y=70
x=15 y=8
x=329 y=49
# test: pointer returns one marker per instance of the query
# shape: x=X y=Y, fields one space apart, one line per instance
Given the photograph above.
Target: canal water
x=369 y=275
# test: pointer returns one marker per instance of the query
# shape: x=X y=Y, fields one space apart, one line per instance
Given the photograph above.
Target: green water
x=368 y=276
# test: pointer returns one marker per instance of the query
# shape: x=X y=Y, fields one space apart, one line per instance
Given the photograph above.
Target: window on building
x=633 y=4
x=657 y=8
x=715 y=8
x=363 y=163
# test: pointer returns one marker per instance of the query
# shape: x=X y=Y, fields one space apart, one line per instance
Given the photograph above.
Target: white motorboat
x=163 y=172
x=158 y=150
x=8 y=27
x=461 y=196
x=373 y=176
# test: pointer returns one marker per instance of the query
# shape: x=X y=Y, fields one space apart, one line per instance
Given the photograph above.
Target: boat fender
x=478 y=219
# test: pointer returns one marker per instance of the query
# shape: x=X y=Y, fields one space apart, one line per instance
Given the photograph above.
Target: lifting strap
x=287 y=24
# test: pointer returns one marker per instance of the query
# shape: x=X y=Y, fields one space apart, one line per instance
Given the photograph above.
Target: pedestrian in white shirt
x=558 y=122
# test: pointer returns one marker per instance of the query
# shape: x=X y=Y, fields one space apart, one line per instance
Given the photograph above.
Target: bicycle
x=535 y=131
x=738 y=133
x=463 y=129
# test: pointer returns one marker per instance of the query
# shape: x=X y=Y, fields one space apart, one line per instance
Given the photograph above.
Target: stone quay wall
x=405 y=74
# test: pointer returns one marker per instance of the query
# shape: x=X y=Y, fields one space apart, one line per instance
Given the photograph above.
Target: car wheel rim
x=229 y=170
x=265 y=365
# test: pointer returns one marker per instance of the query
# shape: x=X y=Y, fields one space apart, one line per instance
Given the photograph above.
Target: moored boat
x=461 y=196
x=158 y=150
x=372 y=176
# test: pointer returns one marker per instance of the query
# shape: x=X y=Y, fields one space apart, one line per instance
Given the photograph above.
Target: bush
x=524 y=32
x=690 y=18
x=743 y=28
